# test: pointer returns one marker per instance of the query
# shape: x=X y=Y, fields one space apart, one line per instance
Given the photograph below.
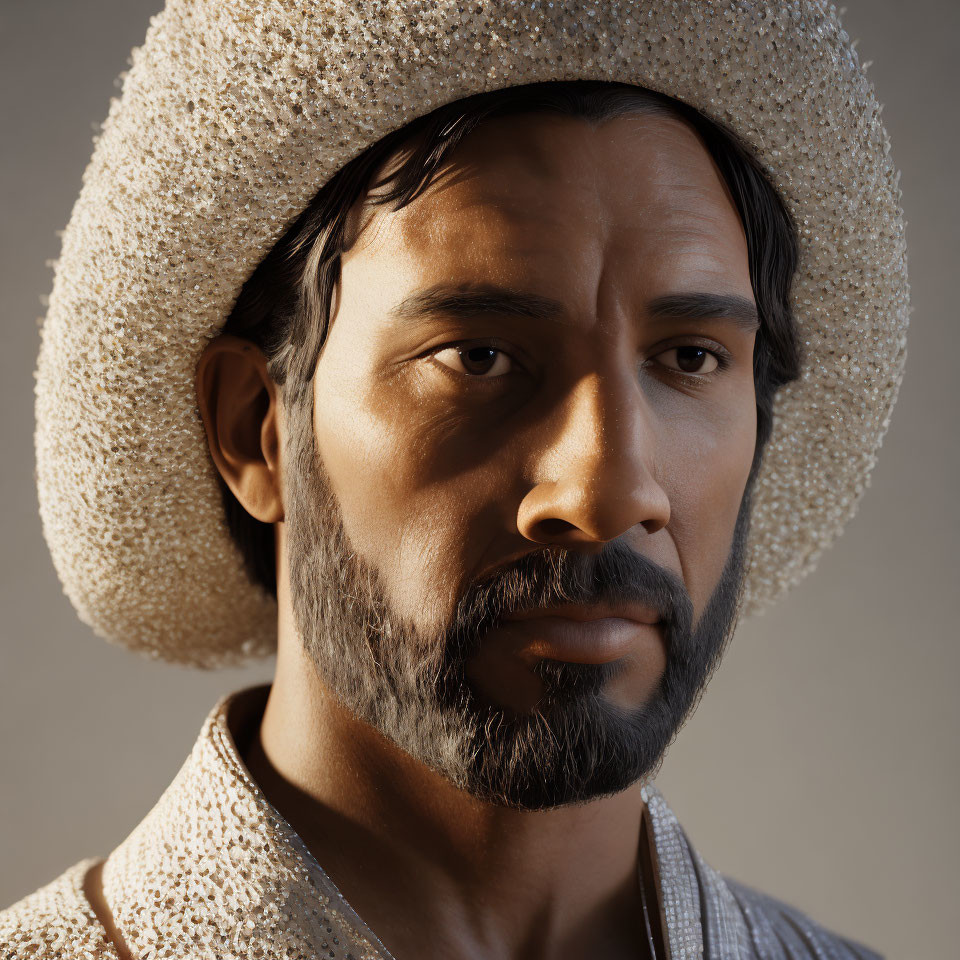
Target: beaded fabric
x=214 y=870
x=233 y=115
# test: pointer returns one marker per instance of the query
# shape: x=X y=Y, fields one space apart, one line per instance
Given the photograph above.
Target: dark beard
x=576 y=745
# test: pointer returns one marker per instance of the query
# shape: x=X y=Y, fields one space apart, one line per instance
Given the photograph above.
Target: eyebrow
x=441 y=300
x=707 y=306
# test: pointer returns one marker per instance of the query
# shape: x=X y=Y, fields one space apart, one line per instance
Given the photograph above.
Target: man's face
x=537 y=391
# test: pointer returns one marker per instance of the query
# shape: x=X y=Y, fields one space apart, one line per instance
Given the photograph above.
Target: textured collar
x=215 y=871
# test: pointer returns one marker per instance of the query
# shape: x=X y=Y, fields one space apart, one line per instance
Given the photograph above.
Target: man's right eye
x=481 y=361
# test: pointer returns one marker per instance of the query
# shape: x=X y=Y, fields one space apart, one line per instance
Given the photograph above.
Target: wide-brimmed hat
x=233 y=115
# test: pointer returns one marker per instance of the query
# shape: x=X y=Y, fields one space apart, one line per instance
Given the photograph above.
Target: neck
x=411 y=852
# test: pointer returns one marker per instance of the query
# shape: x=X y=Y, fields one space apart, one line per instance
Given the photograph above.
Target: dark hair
x=284 y=307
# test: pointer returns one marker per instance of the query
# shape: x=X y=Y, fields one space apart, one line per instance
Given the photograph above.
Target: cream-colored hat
x=233 y=115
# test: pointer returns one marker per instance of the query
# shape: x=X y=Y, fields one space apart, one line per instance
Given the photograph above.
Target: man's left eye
x=476 y=361
x=698 y=360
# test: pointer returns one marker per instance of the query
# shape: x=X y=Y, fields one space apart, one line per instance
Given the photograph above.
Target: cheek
x=413 y=502
x=705 y=476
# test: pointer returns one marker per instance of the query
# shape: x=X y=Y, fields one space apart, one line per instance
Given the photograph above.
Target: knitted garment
x=232 y=117
x=214 y=871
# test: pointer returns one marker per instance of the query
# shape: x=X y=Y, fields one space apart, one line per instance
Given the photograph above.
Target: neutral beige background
x=822 y=763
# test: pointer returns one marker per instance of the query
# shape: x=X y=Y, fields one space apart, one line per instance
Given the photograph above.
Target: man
x=484 y=374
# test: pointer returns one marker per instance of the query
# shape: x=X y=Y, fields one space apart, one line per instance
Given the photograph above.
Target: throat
x=433 y=872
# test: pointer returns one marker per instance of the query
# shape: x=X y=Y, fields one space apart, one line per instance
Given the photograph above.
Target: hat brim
x=231 y=118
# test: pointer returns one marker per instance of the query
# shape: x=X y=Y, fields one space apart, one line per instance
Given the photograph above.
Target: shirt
x=214 y=871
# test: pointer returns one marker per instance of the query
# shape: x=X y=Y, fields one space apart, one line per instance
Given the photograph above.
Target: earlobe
x=238 y=403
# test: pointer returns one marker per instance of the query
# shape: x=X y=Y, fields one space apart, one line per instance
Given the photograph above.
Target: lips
x=576 y=634
x=574 y=611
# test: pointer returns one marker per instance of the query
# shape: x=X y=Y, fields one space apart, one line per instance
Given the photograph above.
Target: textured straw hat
x=233 y=115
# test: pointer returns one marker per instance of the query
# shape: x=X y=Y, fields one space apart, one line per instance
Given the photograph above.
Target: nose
x=597 y=468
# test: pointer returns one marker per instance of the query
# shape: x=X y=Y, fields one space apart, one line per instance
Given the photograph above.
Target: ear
x=239 y=406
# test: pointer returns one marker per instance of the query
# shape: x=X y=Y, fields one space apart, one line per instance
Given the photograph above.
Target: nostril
x=652 y=526
x=554 y=527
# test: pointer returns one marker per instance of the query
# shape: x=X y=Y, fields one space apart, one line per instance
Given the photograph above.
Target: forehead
x=533 y=198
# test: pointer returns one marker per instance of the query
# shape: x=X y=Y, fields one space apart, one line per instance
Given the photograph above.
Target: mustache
x=545 y=578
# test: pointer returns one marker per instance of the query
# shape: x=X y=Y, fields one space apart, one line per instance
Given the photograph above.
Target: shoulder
x=55 y=922
x=778 y=930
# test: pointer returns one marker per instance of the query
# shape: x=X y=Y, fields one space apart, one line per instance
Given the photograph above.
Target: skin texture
x=589 y=434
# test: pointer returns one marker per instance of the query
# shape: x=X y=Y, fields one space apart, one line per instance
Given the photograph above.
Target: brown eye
x=480 y=361
x=697 y=360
